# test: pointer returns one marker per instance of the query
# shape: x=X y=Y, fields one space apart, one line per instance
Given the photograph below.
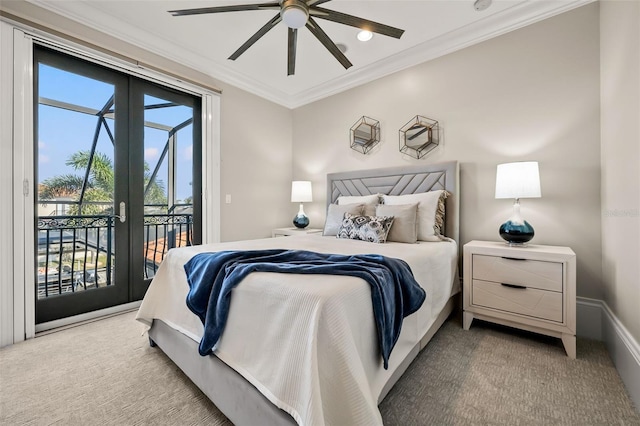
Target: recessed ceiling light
x=481 y=4
x=343 y=47
x=365 y=35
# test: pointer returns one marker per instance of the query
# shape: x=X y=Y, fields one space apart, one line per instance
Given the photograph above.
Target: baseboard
x=624 y=351
x=595 y=320
x=589 y=318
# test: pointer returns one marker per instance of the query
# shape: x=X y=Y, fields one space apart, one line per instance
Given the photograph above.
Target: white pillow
x=405 y=224
x=370 y=202
x=430 y=211
x=335 y=214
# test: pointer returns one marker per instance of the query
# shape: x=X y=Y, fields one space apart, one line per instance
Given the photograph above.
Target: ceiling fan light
x=364 y=35
x=294 y=15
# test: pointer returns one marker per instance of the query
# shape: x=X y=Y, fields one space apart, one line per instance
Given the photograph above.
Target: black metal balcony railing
x=164 y=232
x=77 y=253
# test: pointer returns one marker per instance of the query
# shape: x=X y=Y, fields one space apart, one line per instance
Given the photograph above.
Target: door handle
x=123 y=212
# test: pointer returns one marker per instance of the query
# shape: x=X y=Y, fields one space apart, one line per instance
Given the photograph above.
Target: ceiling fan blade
x=237 y=8
x=315 y=29
x=354 y=21
x=291 y=57
x=262 y=31
x=316 y=2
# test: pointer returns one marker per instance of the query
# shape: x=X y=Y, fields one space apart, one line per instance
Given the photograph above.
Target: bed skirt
x=238 y=399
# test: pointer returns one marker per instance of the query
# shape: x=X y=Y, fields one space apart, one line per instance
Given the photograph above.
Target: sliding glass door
x=118 y=183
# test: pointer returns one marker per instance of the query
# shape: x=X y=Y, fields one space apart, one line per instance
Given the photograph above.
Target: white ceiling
x=204 y=42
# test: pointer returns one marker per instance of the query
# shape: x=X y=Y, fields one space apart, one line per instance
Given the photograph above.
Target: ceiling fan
x=297 y=14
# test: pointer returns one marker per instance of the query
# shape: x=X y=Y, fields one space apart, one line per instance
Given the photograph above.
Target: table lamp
x=517 y=180
x=301 y=193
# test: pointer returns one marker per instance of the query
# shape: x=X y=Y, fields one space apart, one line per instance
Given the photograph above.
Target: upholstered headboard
x=400 y=181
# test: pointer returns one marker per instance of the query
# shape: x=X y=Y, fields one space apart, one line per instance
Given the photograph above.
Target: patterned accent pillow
x=366 y=228
x=440 y=214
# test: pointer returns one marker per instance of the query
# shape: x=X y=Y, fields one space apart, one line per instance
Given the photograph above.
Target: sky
x=62 y=132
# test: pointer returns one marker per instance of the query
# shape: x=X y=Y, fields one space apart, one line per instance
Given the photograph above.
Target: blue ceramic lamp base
x=301 y=220
x=516 y=234
x=516 y=231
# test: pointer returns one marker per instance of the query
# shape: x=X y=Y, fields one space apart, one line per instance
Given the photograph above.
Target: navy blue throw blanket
x=394 y=291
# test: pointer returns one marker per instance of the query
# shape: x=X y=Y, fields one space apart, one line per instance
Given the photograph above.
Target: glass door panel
x=77 y=233
x=168 y=196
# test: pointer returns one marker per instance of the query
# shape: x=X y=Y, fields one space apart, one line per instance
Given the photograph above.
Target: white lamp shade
x=518 y=180
x=301 y=191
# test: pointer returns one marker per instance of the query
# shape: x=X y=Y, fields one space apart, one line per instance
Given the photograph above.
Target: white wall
x=620 y=109
x=532 y=94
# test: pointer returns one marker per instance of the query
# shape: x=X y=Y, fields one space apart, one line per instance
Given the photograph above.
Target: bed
x=303 y=350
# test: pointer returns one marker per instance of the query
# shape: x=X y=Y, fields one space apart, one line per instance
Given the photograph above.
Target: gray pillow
x=370 y=202
x=405 y=224
x=335 y=214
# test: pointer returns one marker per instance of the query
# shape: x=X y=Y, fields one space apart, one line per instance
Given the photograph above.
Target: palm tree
x=97 y=197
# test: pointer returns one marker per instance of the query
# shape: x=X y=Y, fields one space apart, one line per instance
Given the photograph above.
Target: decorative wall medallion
x=365 y=134
x=419 y=136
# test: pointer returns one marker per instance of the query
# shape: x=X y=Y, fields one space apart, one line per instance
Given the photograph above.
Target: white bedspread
x=308 y=342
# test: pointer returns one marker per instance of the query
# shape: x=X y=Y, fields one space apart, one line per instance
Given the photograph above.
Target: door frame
x=22 y=304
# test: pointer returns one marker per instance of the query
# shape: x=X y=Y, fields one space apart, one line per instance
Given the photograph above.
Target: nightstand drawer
x=530 y=273
x=525 y=301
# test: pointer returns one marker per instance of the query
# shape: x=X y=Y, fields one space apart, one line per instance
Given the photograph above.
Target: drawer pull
x=521 y=287
x=513 y=258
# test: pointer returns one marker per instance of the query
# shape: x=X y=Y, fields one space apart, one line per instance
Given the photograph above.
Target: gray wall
x=256 y=165
x=620 y=103
x=532 y=94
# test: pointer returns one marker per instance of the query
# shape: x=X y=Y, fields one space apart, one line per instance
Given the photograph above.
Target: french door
x=118 y=172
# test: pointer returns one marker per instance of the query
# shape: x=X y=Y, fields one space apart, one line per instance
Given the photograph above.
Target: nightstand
x=532 y=288
x=288 y=232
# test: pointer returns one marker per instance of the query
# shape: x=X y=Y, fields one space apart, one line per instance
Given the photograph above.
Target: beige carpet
x=105 y=373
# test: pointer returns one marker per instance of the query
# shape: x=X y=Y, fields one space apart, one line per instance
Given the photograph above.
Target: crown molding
x=508 y=20
x=515 y=17
x=133 y=35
